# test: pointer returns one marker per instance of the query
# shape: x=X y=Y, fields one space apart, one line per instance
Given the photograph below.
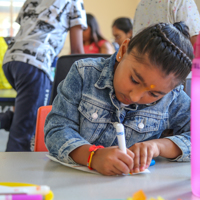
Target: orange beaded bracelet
x=92 y=149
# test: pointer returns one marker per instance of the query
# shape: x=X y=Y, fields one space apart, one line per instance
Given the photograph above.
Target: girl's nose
x=136 y=95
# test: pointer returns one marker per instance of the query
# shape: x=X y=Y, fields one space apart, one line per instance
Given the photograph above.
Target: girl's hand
x=112 y=161
x=143 y=154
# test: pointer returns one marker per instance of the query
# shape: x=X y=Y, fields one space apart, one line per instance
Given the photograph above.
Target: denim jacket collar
x=106 y=77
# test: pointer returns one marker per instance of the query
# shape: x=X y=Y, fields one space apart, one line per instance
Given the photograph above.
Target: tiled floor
x=3 y=139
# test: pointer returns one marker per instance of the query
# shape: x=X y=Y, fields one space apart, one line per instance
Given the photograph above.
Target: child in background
x=139 y=86
x=122 y=29
x=93 y=41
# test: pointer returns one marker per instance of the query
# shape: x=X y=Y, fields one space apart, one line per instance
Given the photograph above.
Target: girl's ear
x=122 y=50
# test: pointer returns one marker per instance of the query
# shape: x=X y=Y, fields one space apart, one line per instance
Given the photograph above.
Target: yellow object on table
x=140 y=195
x=4 y=84
x=49 y=196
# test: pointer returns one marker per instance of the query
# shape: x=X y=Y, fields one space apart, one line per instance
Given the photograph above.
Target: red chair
x=39 y=131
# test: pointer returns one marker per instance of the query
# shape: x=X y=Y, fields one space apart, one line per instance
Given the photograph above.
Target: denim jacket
x=85 y=110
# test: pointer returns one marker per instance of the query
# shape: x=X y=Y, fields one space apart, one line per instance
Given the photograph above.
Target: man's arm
x=76 y=40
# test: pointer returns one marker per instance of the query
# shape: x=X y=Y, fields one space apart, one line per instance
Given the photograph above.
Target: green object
x=4 y=84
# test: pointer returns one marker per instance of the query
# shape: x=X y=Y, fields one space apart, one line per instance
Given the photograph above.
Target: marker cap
x=119 y=128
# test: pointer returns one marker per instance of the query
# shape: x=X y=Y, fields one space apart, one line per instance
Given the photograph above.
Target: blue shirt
x=85 y=110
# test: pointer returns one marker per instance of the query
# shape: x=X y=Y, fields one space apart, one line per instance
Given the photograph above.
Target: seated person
x=93 y=41
x=122 y=29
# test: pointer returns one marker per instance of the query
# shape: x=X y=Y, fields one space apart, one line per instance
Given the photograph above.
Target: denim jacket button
x=141 y=125
x=94 y=115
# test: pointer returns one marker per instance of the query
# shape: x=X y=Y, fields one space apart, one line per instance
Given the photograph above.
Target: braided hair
x=168 y=47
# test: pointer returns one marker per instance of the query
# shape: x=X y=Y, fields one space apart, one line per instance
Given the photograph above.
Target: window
x=9 y=10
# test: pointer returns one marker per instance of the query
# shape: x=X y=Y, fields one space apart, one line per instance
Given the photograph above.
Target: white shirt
x=43 y=30
x=151 y=12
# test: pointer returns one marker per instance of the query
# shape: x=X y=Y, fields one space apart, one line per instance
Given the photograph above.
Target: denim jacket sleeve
x=179 y=121
x=62 y=123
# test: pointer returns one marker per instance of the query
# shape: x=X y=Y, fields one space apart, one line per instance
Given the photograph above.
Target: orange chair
x=39 y=132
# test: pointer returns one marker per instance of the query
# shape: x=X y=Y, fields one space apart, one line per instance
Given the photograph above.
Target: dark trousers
x=33 y=89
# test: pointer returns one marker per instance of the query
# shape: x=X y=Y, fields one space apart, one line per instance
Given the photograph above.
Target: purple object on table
x=22 y=197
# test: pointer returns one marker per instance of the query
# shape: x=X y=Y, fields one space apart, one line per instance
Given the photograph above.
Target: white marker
x=121 y=137
x=40 y=189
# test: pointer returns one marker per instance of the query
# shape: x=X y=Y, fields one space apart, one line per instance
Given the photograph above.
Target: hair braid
x=182 y=56
x=167 y=46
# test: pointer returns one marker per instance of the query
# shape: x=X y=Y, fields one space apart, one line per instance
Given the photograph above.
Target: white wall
x=198 y=4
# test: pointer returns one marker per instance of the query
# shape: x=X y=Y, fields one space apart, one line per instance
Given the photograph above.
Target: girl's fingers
x=112 y=161
x=117 y=171
x=143 y=154
x=130 y=153
x=127 y=159
x=143 y=159
x=111 y=173
x=136 y=164
x=149 y=158
x=122 y=164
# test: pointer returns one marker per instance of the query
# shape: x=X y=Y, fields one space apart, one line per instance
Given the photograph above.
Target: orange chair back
x=39 y=132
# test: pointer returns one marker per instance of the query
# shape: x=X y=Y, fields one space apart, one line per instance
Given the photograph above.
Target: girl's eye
x=133 y=80
x=152 y=94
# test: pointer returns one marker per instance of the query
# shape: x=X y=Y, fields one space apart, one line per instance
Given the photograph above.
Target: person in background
x=93 y=40
x=27 y=63
x=150 y=12
x=122 y=29
x=138 y=86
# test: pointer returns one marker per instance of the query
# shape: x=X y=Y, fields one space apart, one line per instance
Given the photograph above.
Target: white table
x=171 y=180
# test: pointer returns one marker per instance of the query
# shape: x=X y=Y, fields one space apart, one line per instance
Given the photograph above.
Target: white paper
x=85 y=169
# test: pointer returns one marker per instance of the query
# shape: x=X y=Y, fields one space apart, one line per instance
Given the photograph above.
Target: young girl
x=122 y=29
x=139 y=86
x=93 y=41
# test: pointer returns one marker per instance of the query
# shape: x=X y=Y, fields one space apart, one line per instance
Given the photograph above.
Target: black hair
x=95 y=31
x=167 y=46
x=124 y=24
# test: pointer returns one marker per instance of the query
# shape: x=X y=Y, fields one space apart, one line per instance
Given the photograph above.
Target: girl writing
x=139 y=86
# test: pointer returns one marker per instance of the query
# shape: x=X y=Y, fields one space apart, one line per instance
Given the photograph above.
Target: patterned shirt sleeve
x=77 y=15
x=187 y=11
x=18 y=19
x=167 y=11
